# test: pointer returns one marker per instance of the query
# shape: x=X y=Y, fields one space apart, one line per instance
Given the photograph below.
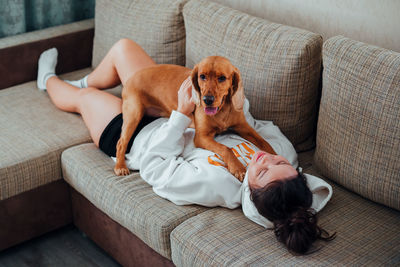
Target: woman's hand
x=185 y=104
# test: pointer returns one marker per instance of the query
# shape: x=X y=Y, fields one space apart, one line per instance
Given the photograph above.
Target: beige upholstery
x=128 y=200
x=370 y=21
x=358 y=137
x=367 y=235
x=155 y=25
x=33 y=135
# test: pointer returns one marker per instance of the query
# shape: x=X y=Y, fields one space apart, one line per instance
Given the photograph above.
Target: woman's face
x=265 y=168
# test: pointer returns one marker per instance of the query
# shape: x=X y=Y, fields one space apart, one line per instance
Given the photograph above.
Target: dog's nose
x=208 y=99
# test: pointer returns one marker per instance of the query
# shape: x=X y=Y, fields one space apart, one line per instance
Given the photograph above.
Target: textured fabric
x=126 y=199
x=280 y=65
x=18 y=16
x=362 y=20
x=368 y=234
x=155 y=25
x=33 y=133
x=358 y=137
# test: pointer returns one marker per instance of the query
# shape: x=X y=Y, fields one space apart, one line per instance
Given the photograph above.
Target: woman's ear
x=237 y=91
x=195 y=86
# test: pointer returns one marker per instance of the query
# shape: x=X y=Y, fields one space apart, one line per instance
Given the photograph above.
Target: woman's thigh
x=123 y=59
x=130 y=58
x=98 y=108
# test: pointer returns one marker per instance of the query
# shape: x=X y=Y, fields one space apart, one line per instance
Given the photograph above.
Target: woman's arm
x=163 y=153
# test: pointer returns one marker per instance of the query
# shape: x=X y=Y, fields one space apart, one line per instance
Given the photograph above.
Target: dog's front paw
x=239 y=171
x=121 y=170
x=240 y=175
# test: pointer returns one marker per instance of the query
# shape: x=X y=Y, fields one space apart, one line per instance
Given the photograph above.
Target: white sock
x=46 y=67
x=82 y=83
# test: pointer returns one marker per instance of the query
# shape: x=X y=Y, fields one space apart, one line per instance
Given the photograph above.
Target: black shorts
x=111 y=134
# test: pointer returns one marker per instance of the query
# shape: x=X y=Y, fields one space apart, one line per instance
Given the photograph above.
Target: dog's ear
x=237 y=91
x=195 y=86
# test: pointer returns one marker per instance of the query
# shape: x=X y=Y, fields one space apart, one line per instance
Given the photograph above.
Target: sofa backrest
x=155 y=25
x=358 y=136
x=280 y=65
x=369 y=21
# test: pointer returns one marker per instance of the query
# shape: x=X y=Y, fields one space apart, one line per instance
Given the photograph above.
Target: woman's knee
x=84 y=92
x=123 y=45
x=85 y=95
x=128 y=57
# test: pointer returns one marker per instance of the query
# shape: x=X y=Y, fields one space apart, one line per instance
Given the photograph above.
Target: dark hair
x=287 y=203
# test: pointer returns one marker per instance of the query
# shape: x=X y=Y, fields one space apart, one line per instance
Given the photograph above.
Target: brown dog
x=217 y=92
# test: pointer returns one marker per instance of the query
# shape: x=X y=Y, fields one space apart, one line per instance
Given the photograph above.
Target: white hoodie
x=165 y=154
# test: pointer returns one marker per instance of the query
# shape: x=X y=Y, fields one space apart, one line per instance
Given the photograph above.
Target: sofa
x=337 y=100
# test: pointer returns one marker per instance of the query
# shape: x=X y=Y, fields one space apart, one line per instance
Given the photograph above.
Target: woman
x=274 y=194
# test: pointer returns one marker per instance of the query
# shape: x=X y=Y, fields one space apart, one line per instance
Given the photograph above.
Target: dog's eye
x=221 y=79
x=203 y=77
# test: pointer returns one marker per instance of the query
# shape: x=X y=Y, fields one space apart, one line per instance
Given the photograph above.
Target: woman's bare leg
x=121 y=62
x=97 y=107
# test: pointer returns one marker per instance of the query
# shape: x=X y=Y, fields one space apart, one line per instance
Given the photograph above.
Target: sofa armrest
x=19 y=54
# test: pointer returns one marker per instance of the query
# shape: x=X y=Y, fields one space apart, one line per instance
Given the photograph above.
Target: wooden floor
x=64 y=247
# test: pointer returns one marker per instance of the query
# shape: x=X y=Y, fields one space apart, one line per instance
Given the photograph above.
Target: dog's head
x=216 y=82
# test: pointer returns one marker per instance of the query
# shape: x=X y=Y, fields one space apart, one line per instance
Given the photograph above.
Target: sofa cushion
x=358 y=137
x=367 y=234
x=33 y=134
x=280 y=65
x=128 y=200
x=155 y=25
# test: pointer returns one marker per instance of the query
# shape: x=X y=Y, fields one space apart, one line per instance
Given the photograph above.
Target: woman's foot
x=46 y=67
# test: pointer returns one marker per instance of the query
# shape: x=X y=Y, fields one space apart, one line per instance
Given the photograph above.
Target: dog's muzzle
x=208 y=100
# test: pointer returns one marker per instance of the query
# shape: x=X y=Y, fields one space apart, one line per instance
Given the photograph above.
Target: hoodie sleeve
x=164 y=149
x=185 y=180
